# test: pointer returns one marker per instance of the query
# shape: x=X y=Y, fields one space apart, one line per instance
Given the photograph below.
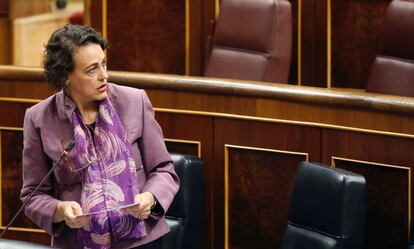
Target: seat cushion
x=298 y=237
x=174 y=238
x=391 y=75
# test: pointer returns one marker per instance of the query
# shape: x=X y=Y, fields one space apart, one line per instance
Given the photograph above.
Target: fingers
x=138 y=211
x=74 y=218
x=143 y=210
x=73 y=215
x=78 y=221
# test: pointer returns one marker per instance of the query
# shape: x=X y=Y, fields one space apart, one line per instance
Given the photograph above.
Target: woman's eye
x=92 y=71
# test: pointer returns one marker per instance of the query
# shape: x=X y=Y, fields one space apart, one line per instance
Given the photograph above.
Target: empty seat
x=327 y=209
x=393 y=68
x=186 y=215
x=252 y=41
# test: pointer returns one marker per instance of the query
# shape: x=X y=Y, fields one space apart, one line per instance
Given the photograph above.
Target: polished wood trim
x=368 y=162
x=87 y=12
x=9 y=129
x=312 y=95
x=253 y=118
x=333 y=158
x=21 y=73
x=22 y=229
x=20 y=100
x=217 y=9
x=306 y=94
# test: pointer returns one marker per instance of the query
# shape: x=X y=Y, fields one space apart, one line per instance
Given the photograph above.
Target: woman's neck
x=89 y=117
x=88 y=111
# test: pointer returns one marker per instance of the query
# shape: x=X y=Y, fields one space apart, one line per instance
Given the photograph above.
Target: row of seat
x=253 y=41
x=327 y=209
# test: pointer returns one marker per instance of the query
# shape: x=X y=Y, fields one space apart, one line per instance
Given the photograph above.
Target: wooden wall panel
x=293 y=74
x=94 y=14
x=12 y=113
x=146 y=36
x=265 y=135
x=11 y=144
x=209 y=9
x=196 y=32
x=387 y=214
x=313 y=43
x=356 y=27
x=387 y=187
x=4 y=8
x=259 y=187
x=5 y=38
x=25 y=89
x=11 y=177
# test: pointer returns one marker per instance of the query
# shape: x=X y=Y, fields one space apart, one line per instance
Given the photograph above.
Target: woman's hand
x=69 y=211
x=143 y=210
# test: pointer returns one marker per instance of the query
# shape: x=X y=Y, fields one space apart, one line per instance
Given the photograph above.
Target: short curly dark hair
x=58 y=55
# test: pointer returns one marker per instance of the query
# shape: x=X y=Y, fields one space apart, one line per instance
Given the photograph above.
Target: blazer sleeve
x=162 y=181
x=35 y=165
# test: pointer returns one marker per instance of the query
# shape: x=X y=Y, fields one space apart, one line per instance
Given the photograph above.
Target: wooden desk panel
x=238 y=127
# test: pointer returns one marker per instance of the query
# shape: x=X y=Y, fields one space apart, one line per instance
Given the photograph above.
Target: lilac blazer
x=47 y=130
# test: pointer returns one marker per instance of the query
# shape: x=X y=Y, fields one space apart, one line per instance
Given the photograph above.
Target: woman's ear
x=66 y=85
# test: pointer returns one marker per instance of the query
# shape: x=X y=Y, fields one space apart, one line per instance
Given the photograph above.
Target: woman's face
x=87 y=82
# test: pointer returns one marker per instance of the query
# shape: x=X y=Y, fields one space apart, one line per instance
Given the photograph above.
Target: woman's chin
x=101 y=96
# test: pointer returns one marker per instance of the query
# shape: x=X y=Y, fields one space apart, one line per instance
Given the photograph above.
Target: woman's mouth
x=102 y=88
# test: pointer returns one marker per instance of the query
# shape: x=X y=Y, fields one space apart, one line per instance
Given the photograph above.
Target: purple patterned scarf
x=109 y=179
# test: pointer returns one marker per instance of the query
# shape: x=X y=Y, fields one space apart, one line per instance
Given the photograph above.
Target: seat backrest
x=252 y=41
x=186 y=215
x=393 y=68
x=327 y=209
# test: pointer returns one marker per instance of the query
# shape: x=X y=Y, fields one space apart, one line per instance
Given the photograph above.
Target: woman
x=119 y=157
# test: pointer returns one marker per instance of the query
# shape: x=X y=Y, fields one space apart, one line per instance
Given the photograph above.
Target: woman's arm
x=35 y=165
x=162 y=181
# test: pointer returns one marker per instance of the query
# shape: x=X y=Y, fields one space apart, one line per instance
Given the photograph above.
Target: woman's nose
x=103 y=74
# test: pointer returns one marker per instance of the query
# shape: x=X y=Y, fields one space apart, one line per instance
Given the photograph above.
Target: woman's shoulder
x=43 y=112
x=125 y=93
x=44 y=105
x=125 y=90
